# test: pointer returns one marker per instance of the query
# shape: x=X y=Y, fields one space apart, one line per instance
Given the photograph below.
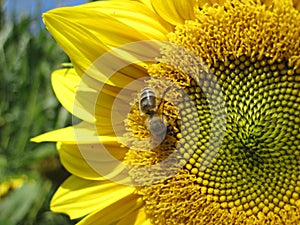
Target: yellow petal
x=82 y=133
x=94 y=162
x=65 y=135
x=122 y=65
x=87 y=31
x=92 y=100
x=115 y=212
x=148 y=4
x=71 y=159
x=98 y=156
x=87 y=98
x=65 y=84
x=78 y=197
x=140 y=218
x=175 y=11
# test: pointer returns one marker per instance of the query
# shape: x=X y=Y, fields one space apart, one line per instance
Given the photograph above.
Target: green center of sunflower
x=253 y=177
x=257 y=167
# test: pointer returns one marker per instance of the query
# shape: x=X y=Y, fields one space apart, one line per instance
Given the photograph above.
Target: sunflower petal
x=140 y=218
x=115 y=212
x=78 y=197
x=65 y=83
x=96 y=163
x=175 y=12
x=147 y=3
x=78 y=32
x=78 y=134
x=70 y=158
x=99 y=156
x=84 y=97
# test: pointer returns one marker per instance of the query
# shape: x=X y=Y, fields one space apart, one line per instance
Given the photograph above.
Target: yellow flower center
x=253 y=177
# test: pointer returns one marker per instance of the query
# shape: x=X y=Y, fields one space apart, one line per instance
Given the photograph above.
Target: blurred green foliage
x=28 y=107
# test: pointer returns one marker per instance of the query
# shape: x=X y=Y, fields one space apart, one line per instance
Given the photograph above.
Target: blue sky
x=20 y=8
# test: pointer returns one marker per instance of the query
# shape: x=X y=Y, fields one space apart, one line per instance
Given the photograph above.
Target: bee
x=156 y=123
x=148 y=101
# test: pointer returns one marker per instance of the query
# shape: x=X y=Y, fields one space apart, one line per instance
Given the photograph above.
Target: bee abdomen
x=148 y=101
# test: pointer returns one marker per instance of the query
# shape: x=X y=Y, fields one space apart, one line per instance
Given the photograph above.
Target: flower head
x=214 y=138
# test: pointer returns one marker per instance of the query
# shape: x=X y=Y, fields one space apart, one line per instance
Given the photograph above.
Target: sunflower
x=189 y=112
